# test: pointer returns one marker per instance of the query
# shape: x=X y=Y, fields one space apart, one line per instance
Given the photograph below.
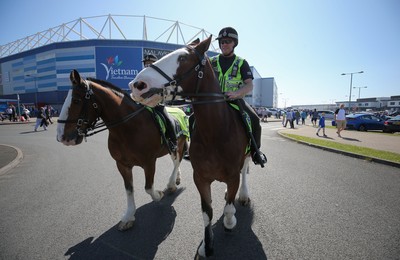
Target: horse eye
x=182 y=58
x=76 y=101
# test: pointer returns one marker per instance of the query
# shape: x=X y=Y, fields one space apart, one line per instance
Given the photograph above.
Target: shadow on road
x=241 y=243
x=351 y=139
x=154 y=222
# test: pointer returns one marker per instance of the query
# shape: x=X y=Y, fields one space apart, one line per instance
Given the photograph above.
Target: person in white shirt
x=340 y=119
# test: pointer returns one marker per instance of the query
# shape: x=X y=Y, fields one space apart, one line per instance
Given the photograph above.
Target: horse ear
x=75 y=78
x=195 y=42
x=203 y=46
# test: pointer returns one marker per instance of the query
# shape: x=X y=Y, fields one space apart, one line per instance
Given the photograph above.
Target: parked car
x=392 y=125
x=364 y=122
x=328 y=114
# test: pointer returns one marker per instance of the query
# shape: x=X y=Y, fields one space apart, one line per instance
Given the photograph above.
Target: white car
x=328 y=114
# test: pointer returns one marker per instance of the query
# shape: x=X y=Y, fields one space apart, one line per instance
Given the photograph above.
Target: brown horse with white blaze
x=134 y=138
x=218 y=143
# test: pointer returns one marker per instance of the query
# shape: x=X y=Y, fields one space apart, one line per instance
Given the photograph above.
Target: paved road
x=64 y=202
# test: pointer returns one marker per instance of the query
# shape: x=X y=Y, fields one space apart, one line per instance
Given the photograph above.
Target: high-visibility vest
x=232 y=79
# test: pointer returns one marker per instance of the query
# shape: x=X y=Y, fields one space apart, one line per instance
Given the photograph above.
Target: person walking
x=41 y=119
x=321 y=125
x=236 y=80
x=340 y=119
x=303 y=117
x=314 y=117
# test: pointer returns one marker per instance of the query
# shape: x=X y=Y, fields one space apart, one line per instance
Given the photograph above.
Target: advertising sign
x=118 y=65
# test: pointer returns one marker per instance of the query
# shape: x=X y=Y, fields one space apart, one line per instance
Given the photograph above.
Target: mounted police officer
x=236 y=80
x=169 y=125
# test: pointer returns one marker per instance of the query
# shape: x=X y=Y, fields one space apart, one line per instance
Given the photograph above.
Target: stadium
x=35 y=70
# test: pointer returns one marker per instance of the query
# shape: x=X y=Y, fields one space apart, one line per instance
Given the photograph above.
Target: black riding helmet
x=149 y=57
x=228 y=32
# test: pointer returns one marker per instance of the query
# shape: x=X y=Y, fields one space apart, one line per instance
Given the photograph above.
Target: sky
x=304 y=44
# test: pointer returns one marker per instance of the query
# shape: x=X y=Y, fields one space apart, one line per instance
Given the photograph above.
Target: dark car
x=392 y=125
x=364 y=122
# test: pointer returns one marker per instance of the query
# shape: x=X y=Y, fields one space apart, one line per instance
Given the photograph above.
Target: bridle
x=86 y=128
x=175 y=83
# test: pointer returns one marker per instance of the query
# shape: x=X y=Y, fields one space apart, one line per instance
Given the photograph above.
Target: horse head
x=76 y=118
x=171 y=75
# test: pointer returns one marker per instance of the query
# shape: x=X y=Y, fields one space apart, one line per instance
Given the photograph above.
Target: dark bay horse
x=134 y=139
x=218 y=142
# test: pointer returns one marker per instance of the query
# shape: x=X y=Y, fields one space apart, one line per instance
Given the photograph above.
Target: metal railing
x=125 y=27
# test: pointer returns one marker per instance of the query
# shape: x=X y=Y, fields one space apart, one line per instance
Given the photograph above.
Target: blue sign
x=118 y=65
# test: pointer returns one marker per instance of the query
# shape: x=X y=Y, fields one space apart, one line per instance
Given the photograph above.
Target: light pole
x=36 y=88
x=359 y=90
x=351 y=84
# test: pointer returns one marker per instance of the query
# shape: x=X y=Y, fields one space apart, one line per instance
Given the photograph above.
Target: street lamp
x=36 y=88
x=359 y=90
x=351 y=83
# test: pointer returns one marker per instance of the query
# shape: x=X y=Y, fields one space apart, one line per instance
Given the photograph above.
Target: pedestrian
x=289 y=118
x=236 y=80
x=303 y=117
x=321 y=124
x=48 y=114
x=41 y=119
x=314 y=117
x=340 y=119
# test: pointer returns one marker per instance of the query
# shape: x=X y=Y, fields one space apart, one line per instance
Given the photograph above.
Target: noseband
x=175 y=82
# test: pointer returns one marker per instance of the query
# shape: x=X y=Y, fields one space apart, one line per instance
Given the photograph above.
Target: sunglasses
x=225 y=41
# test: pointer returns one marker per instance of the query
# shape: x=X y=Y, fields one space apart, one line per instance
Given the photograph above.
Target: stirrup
x=186 y=156
x=259 y=158
x=172 y=146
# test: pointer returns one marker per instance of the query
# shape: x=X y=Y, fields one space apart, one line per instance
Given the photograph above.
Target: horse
x=218 y=143
x=134 y=138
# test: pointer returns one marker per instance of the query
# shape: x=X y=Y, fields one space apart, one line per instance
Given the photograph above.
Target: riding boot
x=254 y=133
x=191 y=128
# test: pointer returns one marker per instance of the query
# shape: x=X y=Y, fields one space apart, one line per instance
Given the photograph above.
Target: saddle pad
x=181 y=121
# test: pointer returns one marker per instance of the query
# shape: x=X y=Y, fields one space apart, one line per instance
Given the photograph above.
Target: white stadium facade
x=36 y=69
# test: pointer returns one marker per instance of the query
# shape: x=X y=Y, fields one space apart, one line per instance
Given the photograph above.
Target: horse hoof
x=229 y=230
x=178 y=181
x=170 y=190
x=244 y=202
x=123 y=226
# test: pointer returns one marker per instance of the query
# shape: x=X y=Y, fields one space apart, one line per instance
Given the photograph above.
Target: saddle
x=178 y=121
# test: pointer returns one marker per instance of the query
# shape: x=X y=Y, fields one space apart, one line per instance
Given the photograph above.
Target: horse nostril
x=140 y=85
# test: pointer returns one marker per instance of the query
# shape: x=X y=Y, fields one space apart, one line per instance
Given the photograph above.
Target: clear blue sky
x=304 y=44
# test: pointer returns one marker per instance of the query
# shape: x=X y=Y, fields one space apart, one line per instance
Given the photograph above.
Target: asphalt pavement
x=10 y=156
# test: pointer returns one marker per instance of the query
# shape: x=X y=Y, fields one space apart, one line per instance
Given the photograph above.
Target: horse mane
x=115 y=89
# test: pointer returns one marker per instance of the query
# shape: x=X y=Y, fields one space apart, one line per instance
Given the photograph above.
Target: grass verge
x=364 y=151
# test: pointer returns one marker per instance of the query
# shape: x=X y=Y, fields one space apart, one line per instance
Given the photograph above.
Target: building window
x=366 y=104
x=393 y=103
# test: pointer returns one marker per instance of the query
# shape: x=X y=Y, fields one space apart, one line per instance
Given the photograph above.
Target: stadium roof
x=125 y=27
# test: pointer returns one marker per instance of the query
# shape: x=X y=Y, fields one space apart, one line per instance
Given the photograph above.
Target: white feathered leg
x=128 y=219
x=244 y=198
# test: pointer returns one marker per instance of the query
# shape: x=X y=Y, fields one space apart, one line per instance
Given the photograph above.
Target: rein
x=83 y=117
x=176 y=81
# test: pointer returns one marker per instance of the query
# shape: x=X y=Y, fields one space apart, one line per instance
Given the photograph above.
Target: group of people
x=236 y=80
x=339 y=119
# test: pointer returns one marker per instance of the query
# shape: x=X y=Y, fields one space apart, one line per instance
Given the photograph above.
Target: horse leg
x=173 y=179
x=244 y=198
x=229 y=210
x=206 y=247
x=128 y=219
x=149 y=172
